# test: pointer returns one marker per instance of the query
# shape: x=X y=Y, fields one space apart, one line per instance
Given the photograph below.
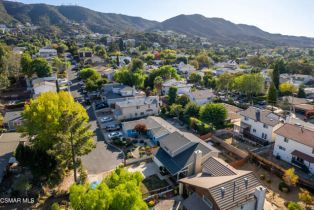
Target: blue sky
x=290 y=17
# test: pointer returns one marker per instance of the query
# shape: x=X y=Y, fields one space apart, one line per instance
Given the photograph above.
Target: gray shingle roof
x=266 y=116
x=174 y=141
x=216 y=167
x=236 y=192
x=183 y=159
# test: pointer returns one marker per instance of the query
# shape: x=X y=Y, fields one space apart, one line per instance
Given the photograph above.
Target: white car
x=115 y=134
x=106 y=119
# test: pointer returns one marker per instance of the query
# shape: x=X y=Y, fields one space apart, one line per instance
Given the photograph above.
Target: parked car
x=114 y=127
x=115 y=134
x=101 y=106
x=106 y=119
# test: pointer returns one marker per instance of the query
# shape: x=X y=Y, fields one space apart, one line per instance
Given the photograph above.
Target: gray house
x=11 y=120
x=182 y=153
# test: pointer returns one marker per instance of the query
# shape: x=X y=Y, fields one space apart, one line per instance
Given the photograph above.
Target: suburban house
x=295 y=144
x=85 y=53
x=180 y=153
x=259 y=125
x=123 y=60
x=218 y=186
x=183 y=87
x=47 y=53
x=297 y=105
x=136 y=108
x=12 y=119
x=233 y=115
x=156 y=128
x=201 y=97
x=42 y=85
x=115 y=92
x=185 y=69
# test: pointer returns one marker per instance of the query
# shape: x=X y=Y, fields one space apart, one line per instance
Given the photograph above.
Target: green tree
x=73 y=140
x=88 y=72
x=41 y=67
x=165 y=72
x=136 y=65
x=194 y=63
x=130 y=78
x=183 y=100
x=279 y=67
x=203 y=60
x=272 y=94
x=26 y=65
x=301 y=92
x=287 y=89
x=46 y=125
x=225 y=82
x=119 y=190
x=214 y=114
x=192 y=110
x=195 y=78
x=249 y=84
x=172 y=94
x=158 y=81
x=176 y=110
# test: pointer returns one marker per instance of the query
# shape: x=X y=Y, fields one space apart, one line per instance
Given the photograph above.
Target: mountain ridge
x=215 y=29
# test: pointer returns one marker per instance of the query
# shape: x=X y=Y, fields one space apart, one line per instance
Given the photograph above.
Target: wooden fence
x=278 y=170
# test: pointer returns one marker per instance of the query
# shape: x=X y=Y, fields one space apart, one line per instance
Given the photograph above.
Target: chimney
x=258 y=115
x=260 y=193
x=197 y=161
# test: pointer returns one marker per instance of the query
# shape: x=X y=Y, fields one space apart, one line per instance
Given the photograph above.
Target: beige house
x=136 y=108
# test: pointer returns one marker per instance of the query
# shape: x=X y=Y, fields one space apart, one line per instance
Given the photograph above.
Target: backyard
x=271 y=181
x=152 y=183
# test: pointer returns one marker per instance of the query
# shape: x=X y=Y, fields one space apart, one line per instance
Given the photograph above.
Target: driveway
x=8 y=144
x=104 y=157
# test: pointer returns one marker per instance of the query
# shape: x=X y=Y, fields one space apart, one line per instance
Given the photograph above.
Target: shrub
x=262 y=177
x=55 y=206
x=294 y=206
x=151 y=203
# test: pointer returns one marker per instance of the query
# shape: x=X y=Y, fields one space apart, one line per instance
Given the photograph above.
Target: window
x=264 y=136
x=286 y=140
x=137 y=107
x=149 y=106
x=265 y=126
x=142 y=113
x=246 y=119
x=313 y=151
x=254 y=130
x=282 y=148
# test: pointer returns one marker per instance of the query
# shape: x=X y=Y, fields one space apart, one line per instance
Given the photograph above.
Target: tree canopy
x=56 y=124
x=119 y=190
x=41 y=67
x=214 y=114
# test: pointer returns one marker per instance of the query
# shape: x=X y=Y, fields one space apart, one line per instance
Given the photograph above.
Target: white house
x=259 y=124
x=183 y=87
x=136 y=108
x=115 y=92
x=295 y=144
x=201 y=97
x=47 y=53
x=42 y=85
